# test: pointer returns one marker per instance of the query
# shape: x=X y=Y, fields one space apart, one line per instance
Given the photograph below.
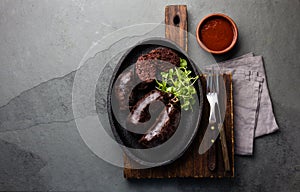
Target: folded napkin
x=253 y=112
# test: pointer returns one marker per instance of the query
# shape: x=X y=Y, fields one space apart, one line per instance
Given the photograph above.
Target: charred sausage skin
x=160 y=128
x=123 y=88
x=140 y=112
x=163 y=128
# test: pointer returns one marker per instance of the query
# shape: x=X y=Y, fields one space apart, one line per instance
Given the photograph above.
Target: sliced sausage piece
x=145 y=68
x=160 y=58
x=166 y=58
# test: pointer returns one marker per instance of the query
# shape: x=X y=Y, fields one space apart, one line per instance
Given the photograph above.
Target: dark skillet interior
x=189 y=122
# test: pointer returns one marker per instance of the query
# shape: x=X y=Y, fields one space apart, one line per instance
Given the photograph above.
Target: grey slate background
x=42 y=42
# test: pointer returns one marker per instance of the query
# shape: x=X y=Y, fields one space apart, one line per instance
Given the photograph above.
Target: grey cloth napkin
x=253 y=112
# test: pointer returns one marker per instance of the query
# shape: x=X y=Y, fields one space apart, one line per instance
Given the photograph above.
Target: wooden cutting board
x=191 y=164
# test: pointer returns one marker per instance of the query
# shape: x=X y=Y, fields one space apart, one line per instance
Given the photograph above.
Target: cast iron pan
x=175 y=146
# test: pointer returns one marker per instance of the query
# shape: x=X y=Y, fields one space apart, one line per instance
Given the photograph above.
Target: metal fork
x=212 y=97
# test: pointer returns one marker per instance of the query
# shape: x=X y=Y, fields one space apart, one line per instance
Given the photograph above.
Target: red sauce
x=216 y=34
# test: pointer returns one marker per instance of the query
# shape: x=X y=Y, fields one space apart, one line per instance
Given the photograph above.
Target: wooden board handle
x=176 y=24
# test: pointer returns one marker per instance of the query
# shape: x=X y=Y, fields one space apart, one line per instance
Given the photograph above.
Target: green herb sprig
x=178 y=82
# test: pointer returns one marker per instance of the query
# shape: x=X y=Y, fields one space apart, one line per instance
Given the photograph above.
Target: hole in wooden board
x=176 y=20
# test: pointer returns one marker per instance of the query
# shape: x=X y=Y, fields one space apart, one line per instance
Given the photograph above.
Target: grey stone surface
x=42 y=43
